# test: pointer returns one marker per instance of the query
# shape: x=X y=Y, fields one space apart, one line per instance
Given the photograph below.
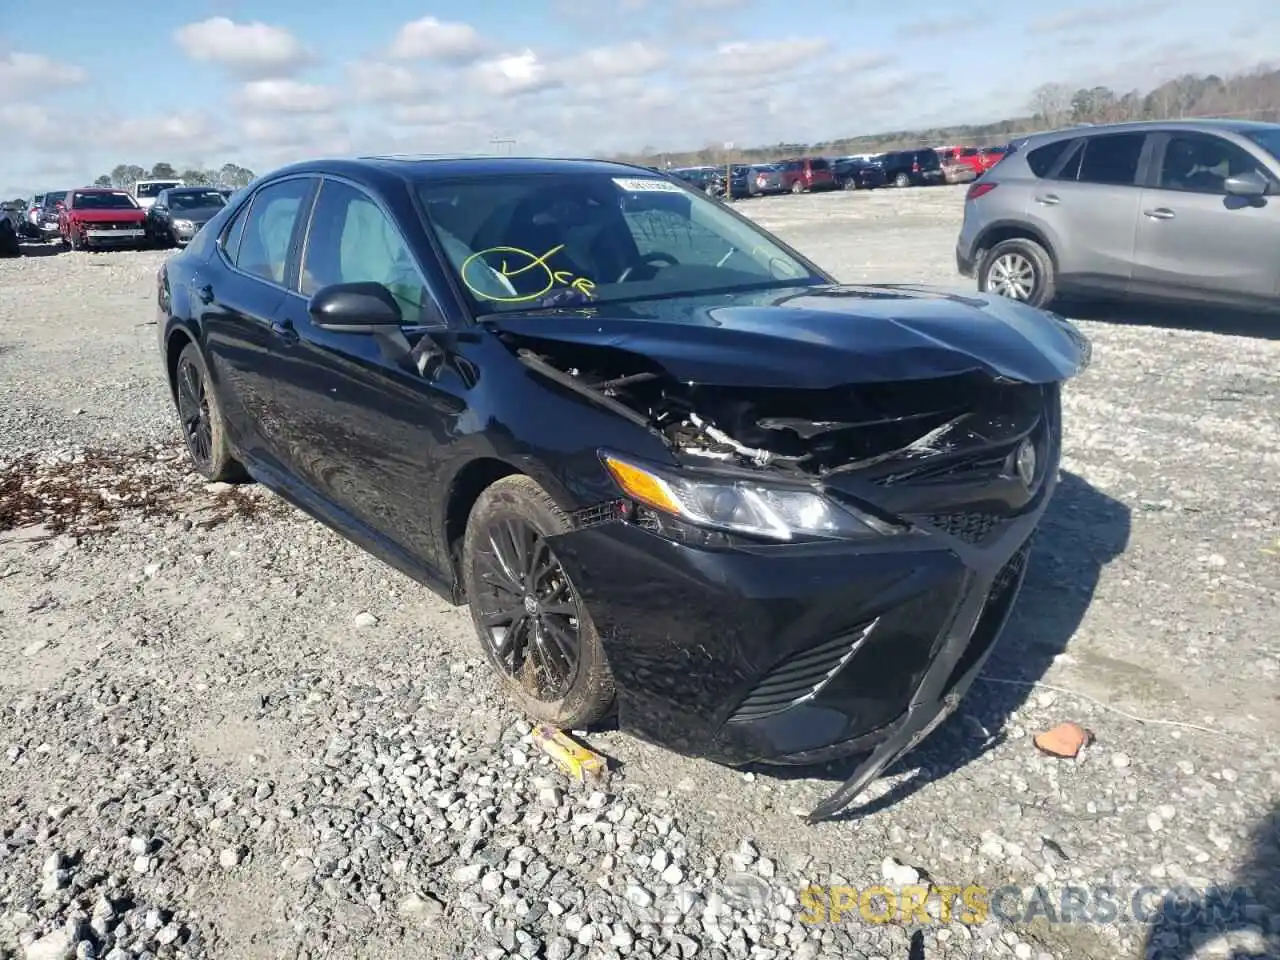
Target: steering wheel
x=648 y=259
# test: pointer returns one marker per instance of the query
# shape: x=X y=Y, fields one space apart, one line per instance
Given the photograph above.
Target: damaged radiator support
x=808 y=432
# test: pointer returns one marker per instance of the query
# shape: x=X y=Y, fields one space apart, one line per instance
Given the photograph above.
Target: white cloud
x=386 y=83
x=513 y=74
x=252 y=48
x=432 y=39
x=23 y=74
x=1097 y=17
x=291 y=132
x=635 y=59
x=282 y=95
x=758 y=58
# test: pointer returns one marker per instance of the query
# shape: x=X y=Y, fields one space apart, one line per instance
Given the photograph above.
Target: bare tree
x=1051 y=102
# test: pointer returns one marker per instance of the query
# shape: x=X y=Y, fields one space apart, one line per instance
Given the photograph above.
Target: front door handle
x=1159 y=213
x=284 y=330
x=1048 y=199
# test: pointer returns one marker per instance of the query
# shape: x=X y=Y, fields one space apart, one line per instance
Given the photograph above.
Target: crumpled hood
x=825 y=336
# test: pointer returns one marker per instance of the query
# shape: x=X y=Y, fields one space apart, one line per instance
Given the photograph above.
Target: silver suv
x=1171 y=210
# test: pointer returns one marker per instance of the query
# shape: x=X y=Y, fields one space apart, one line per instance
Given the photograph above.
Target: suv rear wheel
x=1019 y=269
x=902 y=180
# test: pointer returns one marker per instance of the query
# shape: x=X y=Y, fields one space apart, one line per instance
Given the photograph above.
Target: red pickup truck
x=95 y=217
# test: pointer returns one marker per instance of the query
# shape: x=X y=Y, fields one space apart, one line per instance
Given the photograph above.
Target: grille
x=598 y=514
x=800 y=677
x=971 y=527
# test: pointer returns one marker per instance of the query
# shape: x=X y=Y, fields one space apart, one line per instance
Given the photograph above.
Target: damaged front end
x=959 y=464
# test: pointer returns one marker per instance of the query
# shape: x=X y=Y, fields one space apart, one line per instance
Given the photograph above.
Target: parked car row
x=156 y=213
x=917 y=167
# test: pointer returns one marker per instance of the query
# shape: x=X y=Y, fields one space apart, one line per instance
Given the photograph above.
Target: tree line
x=1252 y=95
x=124 y=175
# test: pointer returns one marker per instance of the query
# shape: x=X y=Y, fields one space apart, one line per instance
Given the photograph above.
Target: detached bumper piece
x=964 y=652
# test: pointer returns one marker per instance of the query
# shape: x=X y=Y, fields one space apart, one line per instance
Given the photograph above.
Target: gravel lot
x=225 y=732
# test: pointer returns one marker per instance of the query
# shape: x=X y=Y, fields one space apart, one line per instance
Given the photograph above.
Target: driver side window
x=1200 y=163
x=352 y=241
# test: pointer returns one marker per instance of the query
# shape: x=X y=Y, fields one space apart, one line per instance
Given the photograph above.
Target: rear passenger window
x=1042 y=159
x=1112 y=159
x=268 y=232
x=235 y=230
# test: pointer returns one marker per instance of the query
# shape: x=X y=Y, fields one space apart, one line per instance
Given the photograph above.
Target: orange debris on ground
x=1065 y=740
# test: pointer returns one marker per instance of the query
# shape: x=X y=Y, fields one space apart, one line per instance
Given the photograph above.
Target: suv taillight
x=978 y=190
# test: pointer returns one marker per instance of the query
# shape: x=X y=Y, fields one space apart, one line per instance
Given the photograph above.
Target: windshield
x=1268 y=139
x=528 y=242
x=102 y=201
x=196 y=200
x=153 y=188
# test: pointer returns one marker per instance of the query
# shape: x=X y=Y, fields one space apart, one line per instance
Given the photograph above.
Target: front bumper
x=799 y=654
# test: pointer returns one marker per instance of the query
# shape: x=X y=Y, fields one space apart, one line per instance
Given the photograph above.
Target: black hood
x=821 y=337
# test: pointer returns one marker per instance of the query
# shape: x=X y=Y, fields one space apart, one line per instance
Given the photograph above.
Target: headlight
x=184 y=224
x=743 y=506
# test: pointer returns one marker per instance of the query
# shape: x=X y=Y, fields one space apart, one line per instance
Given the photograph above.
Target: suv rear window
x=819 y=165
x=1112 y=159
x=927 y=158
x=1042 y=159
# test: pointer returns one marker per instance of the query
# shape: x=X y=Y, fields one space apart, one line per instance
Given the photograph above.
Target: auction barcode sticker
x=646 y=185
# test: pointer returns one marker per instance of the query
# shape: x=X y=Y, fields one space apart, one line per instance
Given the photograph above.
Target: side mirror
x=1250 y=184
x=354 y=308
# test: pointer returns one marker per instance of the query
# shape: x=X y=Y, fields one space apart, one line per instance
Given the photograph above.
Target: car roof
x=374 y=170
x=1201 y=125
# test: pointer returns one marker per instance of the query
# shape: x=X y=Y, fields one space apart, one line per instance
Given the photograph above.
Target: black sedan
x=678 y=472
x=180 y=212
x=857 y=173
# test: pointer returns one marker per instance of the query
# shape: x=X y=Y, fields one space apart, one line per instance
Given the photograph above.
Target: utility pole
x=499 y=143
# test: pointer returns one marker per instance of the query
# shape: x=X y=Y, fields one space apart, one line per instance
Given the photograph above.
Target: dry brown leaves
x=90 y=492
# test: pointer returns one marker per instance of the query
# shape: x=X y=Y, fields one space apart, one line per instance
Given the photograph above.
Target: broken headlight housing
x=733 y=505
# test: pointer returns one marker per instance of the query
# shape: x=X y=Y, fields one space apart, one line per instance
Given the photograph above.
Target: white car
x=146 y=191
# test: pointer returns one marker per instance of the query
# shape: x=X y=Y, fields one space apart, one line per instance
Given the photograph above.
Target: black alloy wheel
x=529 y=610
x=530 y=619
x=193 y=410
x=201 y=419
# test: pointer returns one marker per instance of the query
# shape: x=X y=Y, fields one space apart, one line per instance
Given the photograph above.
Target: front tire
x=1019 y=269
x=203 y=428
x=531 y=622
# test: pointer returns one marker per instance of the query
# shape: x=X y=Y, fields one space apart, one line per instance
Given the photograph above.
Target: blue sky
x=262 y=83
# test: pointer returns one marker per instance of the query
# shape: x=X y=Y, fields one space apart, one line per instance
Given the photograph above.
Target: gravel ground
x=225 y=732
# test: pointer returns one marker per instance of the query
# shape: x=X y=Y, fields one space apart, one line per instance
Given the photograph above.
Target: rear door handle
x=284 y=330
x=1048 y=199
x=1159 y=213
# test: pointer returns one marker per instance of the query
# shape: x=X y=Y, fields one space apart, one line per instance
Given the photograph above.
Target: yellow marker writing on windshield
x=516 y=262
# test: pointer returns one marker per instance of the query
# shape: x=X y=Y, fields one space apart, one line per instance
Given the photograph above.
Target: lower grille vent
x=800 y=677
x=969 y=527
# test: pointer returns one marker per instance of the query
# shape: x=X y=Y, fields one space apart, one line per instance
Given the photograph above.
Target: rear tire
x=797 y=187
x=1019 y=269
x=532 y=615
x=203 y=428
x=902 y=180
